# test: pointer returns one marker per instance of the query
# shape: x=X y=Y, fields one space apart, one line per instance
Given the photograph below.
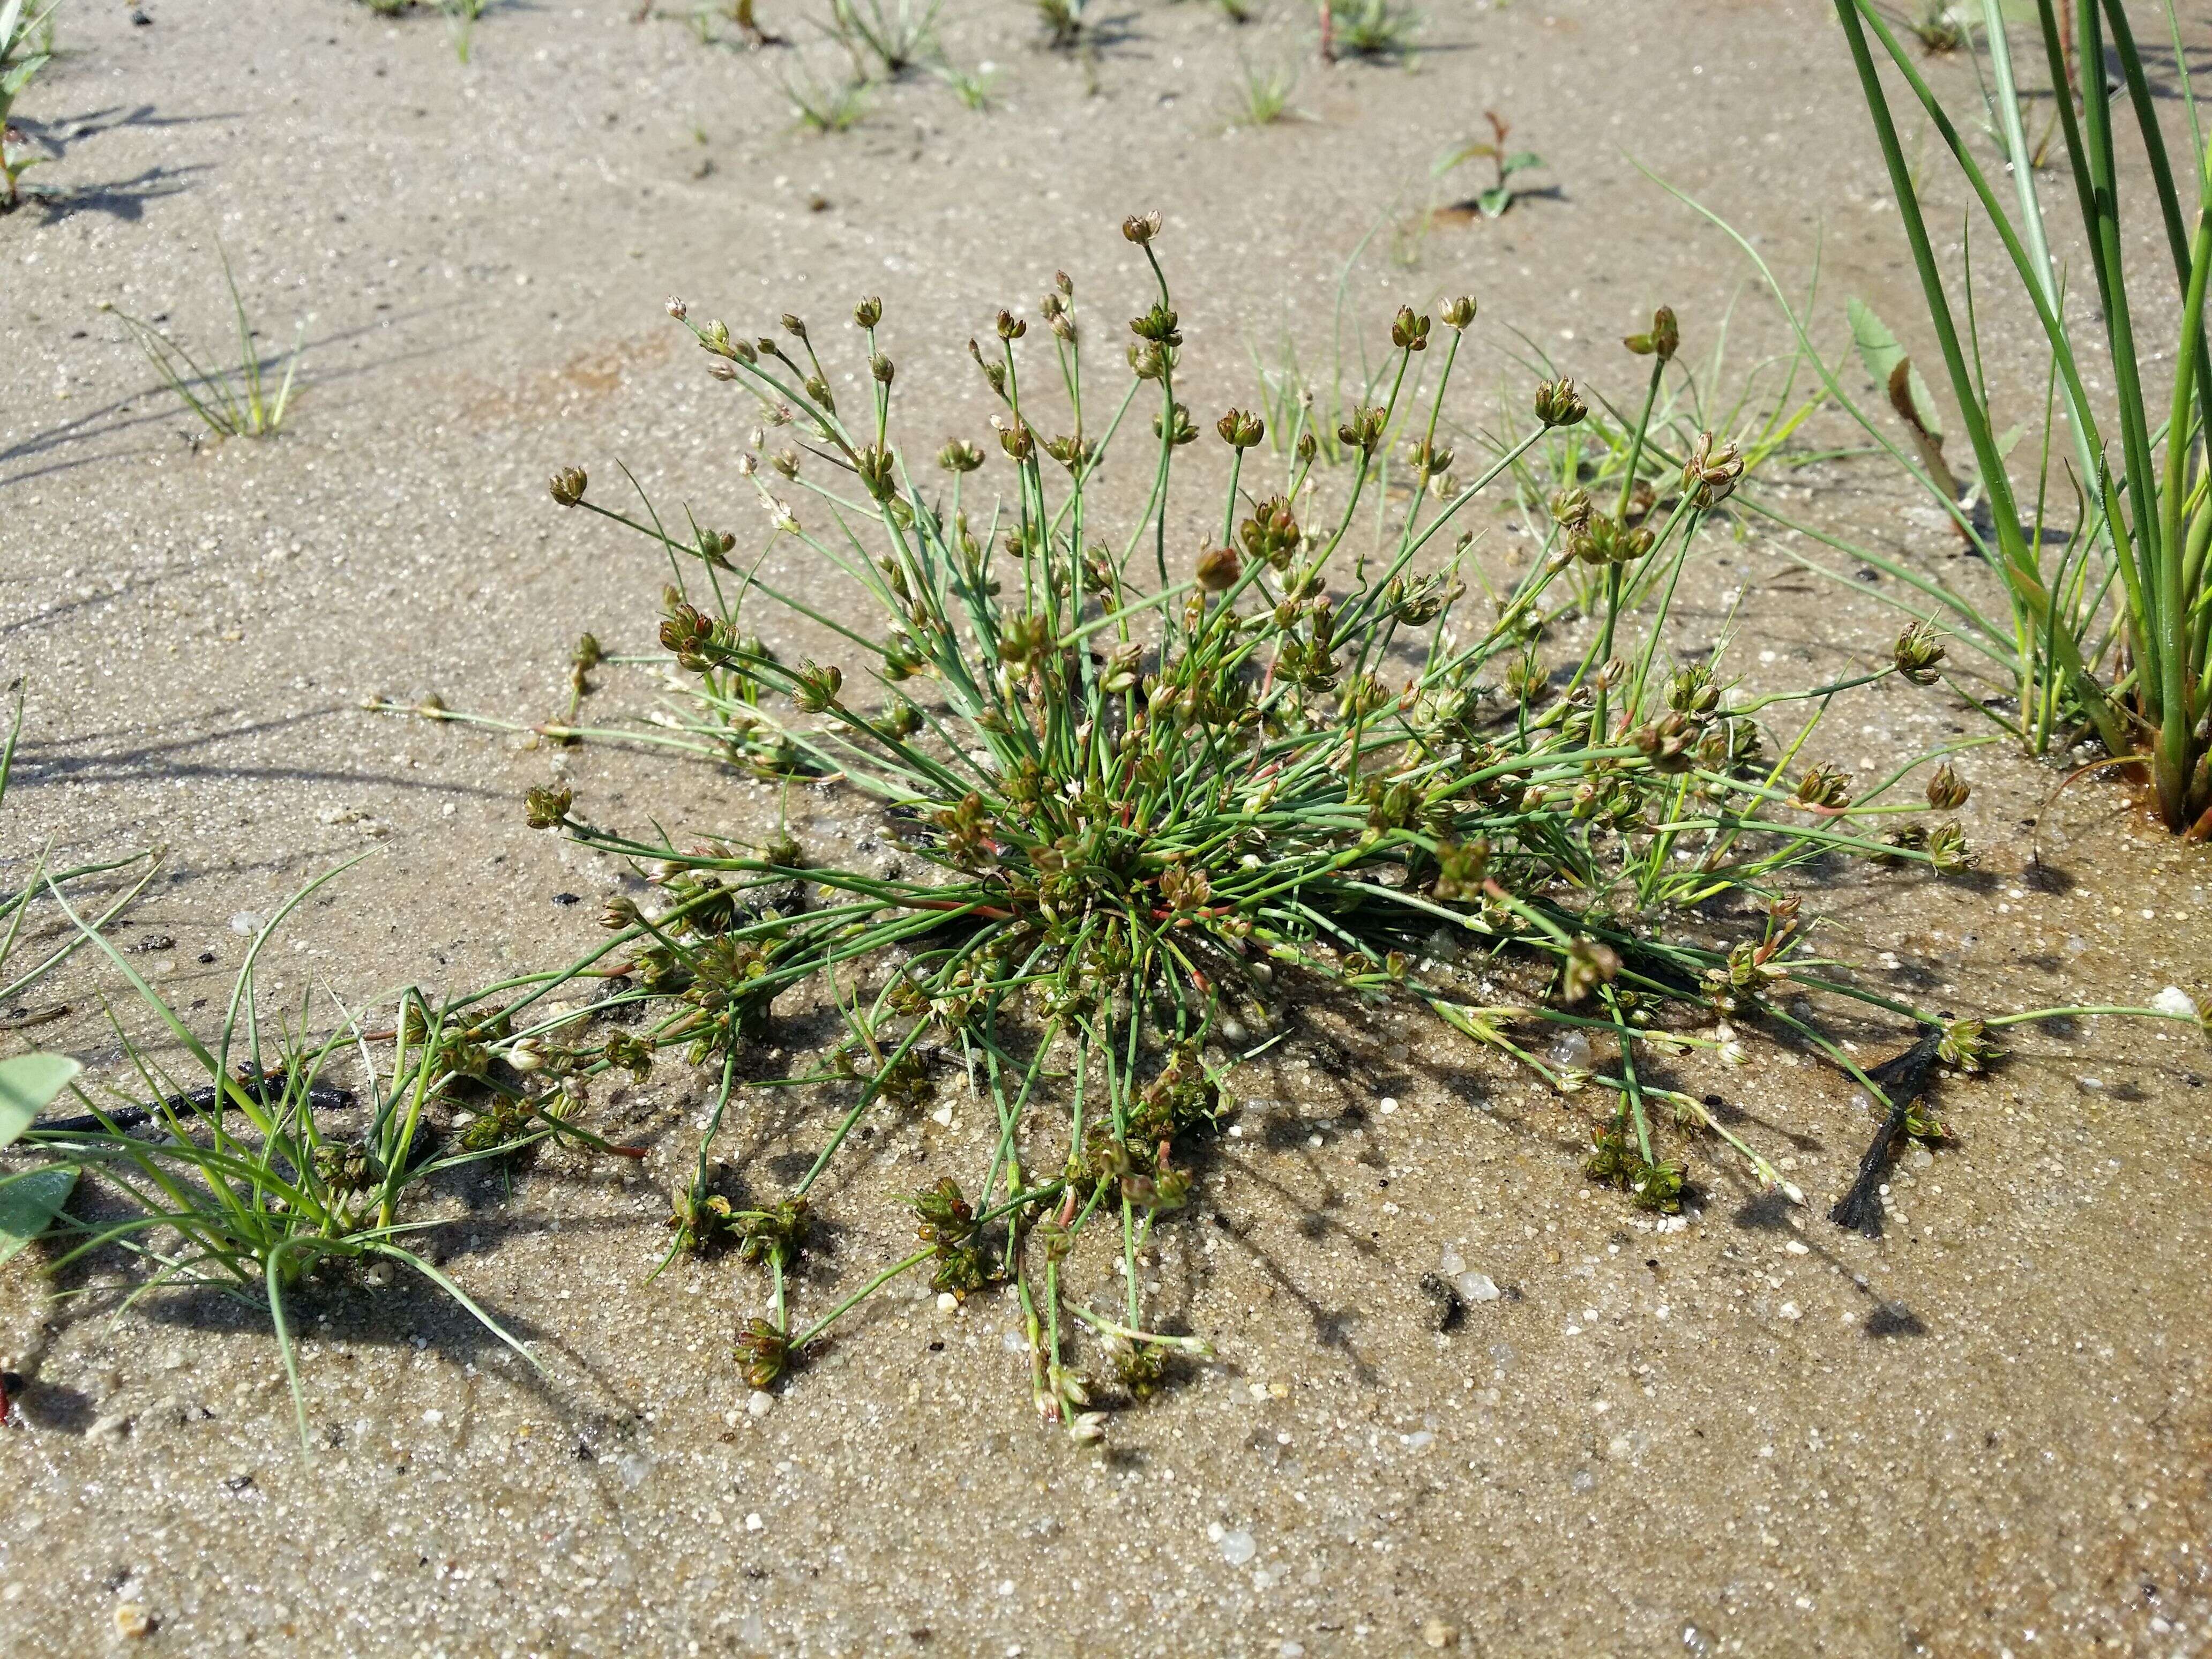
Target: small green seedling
x=1502 y=193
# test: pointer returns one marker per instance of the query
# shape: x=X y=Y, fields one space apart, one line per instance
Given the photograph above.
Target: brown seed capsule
x=1919 y=651
x=568 y=485
x=1409 y=332
x=1218 y=569
x=1947 y=790
x=868 y=312
x=1557 y=404
x=1141 y=227
x=544 y=809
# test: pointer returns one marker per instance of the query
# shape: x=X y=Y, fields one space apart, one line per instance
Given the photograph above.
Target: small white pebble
x=754 y=1523
x=1388 y=1105
x=760 y=1403
x=1238 y=1547
x=946 y=1302
x=1476 y=1287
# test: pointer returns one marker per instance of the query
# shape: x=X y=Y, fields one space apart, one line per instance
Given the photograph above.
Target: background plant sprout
x=230 y=404
x=893 y=40
x=1494 y=198
x=26 y=47
x=820 y=106
x=2110 y=631
x=1368 y=28
x=1263 y=95
x=1155 y=805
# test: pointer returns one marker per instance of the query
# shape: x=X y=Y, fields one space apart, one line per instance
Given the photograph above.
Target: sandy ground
x=1987 y=1433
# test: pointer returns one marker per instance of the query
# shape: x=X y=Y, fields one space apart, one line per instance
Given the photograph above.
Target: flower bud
x=1947 y=790
x=677 y=309
x=1239 y=430
x=1409 y=332
x=546 y=809
x=568 y=485
x=1218 y=569
x=1661 y=341
x=1141 y=227
x=868 y=312
x=1710 y=475
x=1557 y=404
x=1458 y=314
x=1919 y=650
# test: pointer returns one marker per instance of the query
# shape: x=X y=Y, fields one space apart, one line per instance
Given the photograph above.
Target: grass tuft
x=1262 y=96
x=230 y=404
x=820 y=106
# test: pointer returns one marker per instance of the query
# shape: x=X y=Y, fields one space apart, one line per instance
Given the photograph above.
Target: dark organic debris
x=267 y=1088
x=1894 y=1319
x=1902 y=1079
x=1450 y=1310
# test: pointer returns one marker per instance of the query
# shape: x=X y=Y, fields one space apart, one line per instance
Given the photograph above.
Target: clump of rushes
x=26 y=47
x=1162 y=794
x=230 y=404
x=2107 y=623
x=249 y=1183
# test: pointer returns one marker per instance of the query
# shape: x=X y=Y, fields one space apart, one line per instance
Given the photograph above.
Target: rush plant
x=1163 y=794
x=248 y=1170
x=2145 y=519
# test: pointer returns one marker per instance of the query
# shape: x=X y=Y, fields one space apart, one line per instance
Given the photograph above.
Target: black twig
x=1902 y=1080
x=267 y=1089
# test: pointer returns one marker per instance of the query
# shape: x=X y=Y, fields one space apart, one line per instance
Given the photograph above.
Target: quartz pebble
x=1238 y=1547
x=1476 y=1287
x=2175 y=1000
